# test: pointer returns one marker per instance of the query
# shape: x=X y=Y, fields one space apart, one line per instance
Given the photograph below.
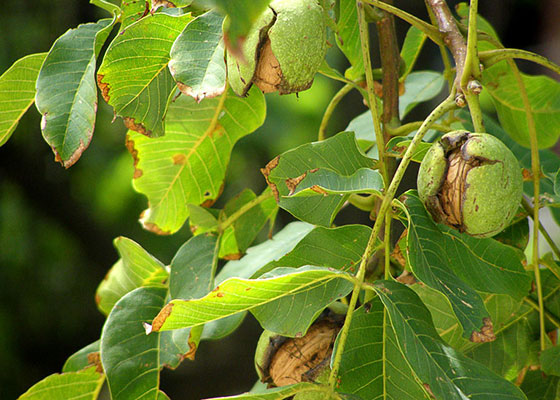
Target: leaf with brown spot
x=190 y=137
x=66 y=91
x=486 y=333
x=140 y=91
x=292 y=183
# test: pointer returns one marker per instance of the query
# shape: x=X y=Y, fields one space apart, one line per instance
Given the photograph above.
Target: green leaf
x=516 y=235
x=339 y=154
x=348 y=38
x=413 y=43
x=17 y=92
x=274 y=393
x=241 y=16
x=538 y=387
x=372 y=366
x=197 y=58
x=191 y=268
x=131 y=358
x=201 y=219
x=550 y=361
x=544 y=98
x=398 y=145
x=456 y=263
x=84 y=384
x=66 y=91
x=107 y=6
x=134 y=78
x=448 y=373
x=135 y=268
x=188 y=164
x=238 y=236
x=132 y=11
x=256 y=257
x=362 y=126
x=81 y=359
x=235 y=295
x=419 y=86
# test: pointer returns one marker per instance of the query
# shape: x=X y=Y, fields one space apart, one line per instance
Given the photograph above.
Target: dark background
x=57 y=226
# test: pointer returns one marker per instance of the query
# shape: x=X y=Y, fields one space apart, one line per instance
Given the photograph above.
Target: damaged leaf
x=197 y=58
x=134 y=78
x=66 y=91
x=188 y=164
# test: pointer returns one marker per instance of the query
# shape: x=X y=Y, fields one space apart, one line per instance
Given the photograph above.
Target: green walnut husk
x=283 y=50
x=282 y=361
x=471 y=182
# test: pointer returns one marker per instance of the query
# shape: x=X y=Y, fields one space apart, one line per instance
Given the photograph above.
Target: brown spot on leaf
x=429 y=390
x=527 y=174
x=161 y=3
x=129 y=143
x=210 y=202
x=104 y=87
x=150 y=226
x=179 y=159
x=232 y=256
x=131 y=124
x=292 y=183
x=95 y=359
x=220 y=294
x=318 y=189
x=199 y=96
x=235 y=48
x=486 y=333
x=266 y=172
x=159 y=320
x=406 y=278
x=192 y=350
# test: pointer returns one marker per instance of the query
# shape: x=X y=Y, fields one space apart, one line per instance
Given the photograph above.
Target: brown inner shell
x=301 y=359
x=268 y=75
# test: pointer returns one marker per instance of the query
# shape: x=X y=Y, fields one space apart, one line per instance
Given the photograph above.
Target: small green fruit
x=471 y=182
x=283 y=50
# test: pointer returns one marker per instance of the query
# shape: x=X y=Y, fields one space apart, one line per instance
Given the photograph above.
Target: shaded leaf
x=201 y=220
x=274 y=393
x=539 y=387
x=369 y=370
x=84 y=384
x=339 y=154
x=348 y=38
x=362 y=126
x=188 y=164
x=550 y=361
x=456 y=263
x=134 y=78
x=241 y=16
x=81 y=359
x=238 y=236
x=130 y=357
x=448 y=373
x=135 y=268
x=413 y=43
x=197 y=58
x=236 y=295
x=66 y=91
x=419 y=86
x=516 y=235
x=544 y=98
x=17 y=92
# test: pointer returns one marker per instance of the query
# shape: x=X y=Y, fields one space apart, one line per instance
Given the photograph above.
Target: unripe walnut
x=471 y=182
x=283 y=50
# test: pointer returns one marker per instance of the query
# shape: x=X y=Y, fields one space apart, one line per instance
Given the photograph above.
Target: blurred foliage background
x=57 y=226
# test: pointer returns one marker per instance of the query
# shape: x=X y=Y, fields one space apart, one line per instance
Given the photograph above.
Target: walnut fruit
x=471 y=182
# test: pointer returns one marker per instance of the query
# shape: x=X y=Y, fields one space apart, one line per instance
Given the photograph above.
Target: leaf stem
x=405 y=129
x=551 y=317
x=491 y=57
x=472 y=64
x=536 y=170
x=441 y=109
x=223 y=225
x=542 y=229
x=372 y=99
x=330 y=109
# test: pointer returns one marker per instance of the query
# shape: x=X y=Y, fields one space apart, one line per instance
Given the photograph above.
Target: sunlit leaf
x=202 y=220
x=17 y=92
x=135 y=268
x=413 y=43
x=197 y=58
x=369 y=370
x=188 y=164
x=419 y=86
x=134 y=77
x=82 y=358
x=236 y=295
x=340 y=155
x=348 y=38
x=107 y=6
x=448 y=374
x=66 y=90
x=84 y=384
x=456 y=263
x=132 y=11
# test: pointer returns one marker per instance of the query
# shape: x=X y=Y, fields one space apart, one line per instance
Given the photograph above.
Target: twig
x=542 y=229
x=246 y=207
x=405 y=129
